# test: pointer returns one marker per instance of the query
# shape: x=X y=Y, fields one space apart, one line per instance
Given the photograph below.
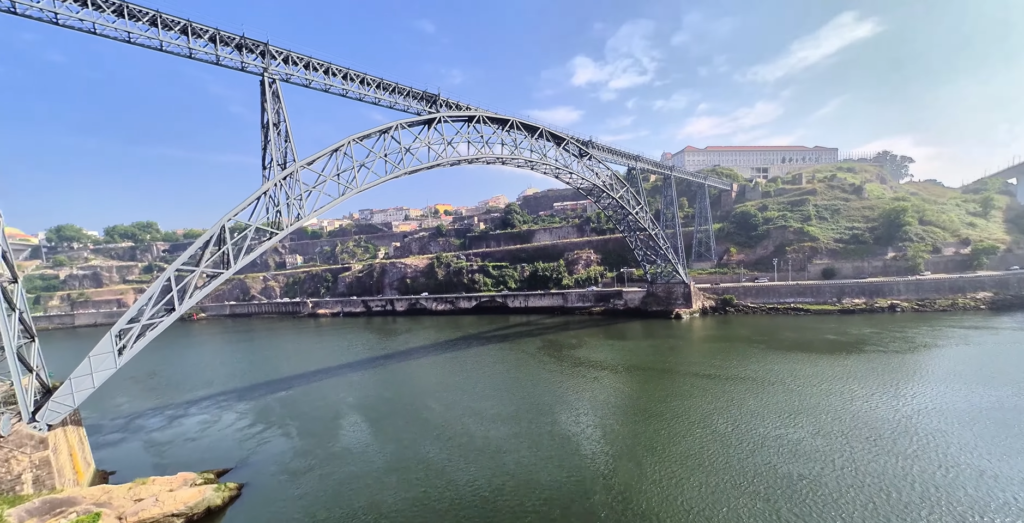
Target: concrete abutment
x=61 y=459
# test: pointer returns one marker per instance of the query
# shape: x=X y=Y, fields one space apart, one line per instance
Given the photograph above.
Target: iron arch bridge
x=356 y=164
x=443 y=133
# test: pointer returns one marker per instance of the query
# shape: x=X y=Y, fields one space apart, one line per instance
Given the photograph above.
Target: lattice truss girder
x=703 y=228
x=24 y=380
x=278 y=154
x=349 y=167
x=137 y=25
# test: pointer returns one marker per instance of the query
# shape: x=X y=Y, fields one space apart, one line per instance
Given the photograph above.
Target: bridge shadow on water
x=533 y=328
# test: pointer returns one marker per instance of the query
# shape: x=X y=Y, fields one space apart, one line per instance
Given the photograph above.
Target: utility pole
x=775 y=264
x=789 y=261
x=625 y=277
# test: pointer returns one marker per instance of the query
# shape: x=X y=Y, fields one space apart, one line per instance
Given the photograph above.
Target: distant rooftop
x=690 y=148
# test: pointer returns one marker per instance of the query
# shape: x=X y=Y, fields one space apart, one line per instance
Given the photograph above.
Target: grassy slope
x=838 y=211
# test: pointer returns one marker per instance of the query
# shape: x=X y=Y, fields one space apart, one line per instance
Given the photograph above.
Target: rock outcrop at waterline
x=182 y=498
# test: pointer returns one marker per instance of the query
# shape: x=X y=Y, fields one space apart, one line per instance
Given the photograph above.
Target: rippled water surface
x=526 y=418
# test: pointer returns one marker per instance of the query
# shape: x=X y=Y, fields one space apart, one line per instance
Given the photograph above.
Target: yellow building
x=21 y=243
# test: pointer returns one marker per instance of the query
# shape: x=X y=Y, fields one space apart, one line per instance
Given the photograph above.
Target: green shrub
x=60 y=261
x=727 y=302
x=37 y=283
x=829 y=273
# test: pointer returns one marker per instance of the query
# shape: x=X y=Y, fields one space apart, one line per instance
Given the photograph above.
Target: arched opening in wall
x=417 y=307
x=491 y=305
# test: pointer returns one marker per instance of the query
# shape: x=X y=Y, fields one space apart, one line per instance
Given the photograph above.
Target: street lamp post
x=789 y=262
x=625 y=279
x=775 y=265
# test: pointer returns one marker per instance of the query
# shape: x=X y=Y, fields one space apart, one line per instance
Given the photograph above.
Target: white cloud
x=619 y=121
x=702 y=107
x=629 y=60
x=718 y=65
x=560 y=115
x=739 y=120
x=622 y=137
x=763 y=137
x=829 y=107
x=678 y=100
x=929 y=162
x=840 y=32
x=697 y=29
x=426 y=26
x=630 y=103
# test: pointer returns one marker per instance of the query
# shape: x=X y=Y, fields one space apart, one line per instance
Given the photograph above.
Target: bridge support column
x=1020 y=189
x=672 y=298
x=31 y=462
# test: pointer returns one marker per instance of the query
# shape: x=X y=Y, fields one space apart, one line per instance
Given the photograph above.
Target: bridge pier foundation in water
x=33 y=463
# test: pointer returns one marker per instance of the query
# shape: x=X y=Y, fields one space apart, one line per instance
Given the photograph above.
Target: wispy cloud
x=840 y=32
x=829 y=107
x=426 y=26
x=718 y=65
x=698 y=31
x=763 y=137
x=629 y=60
x=697 y=26
x=630 y=103
x=929 y=162
x=619 y=122
x=741 y=119
x=678 y=100
x=560 y=115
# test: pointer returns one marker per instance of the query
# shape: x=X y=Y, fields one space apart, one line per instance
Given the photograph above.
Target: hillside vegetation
x=855 y=210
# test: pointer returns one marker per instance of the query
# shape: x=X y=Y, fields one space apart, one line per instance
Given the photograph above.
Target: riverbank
x=973 y=302
x=931 y=294
x=181 y=498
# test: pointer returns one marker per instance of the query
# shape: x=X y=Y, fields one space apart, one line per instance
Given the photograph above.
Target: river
x=872 y=418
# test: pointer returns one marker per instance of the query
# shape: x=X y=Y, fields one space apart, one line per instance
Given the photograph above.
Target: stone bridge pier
x=61 y=459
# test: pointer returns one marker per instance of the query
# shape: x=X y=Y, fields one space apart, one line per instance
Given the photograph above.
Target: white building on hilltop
x=753 y=161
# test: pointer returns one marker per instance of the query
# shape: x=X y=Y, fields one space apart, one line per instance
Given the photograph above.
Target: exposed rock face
x=78 y=281
x=181 y=498
x=579 y=261
x=97 y=276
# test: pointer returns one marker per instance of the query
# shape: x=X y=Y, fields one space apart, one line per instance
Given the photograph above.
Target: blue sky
x=95 y=132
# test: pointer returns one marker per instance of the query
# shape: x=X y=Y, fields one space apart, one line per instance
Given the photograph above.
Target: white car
x=761 y=280
x=1014 y=268
x=424 y=294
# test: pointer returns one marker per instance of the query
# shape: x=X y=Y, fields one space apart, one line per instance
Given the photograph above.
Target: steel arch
x=353 y=165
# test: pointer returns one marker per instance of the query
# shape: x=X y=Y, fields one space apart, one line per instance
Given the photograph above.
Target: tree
x=448 y=212
x=981 y=252
x=917 y=254
x=725 y=173
x=122 y=233
x=68 y=236
x=441 y=229
x=313 y=234
x=514 y=217
x=987 y=203
x=192 y=234
x=893 y=220
x=896 y=166
x=60 y=261
x=829 y=273
x=169 y=236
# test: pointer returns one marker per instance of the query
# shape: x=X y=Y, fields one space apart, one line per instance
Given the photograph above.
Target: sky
x=96 y=132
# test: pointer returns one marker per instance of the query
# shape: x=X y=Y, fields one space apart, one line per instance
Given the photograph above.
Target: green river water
x=873 y=418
